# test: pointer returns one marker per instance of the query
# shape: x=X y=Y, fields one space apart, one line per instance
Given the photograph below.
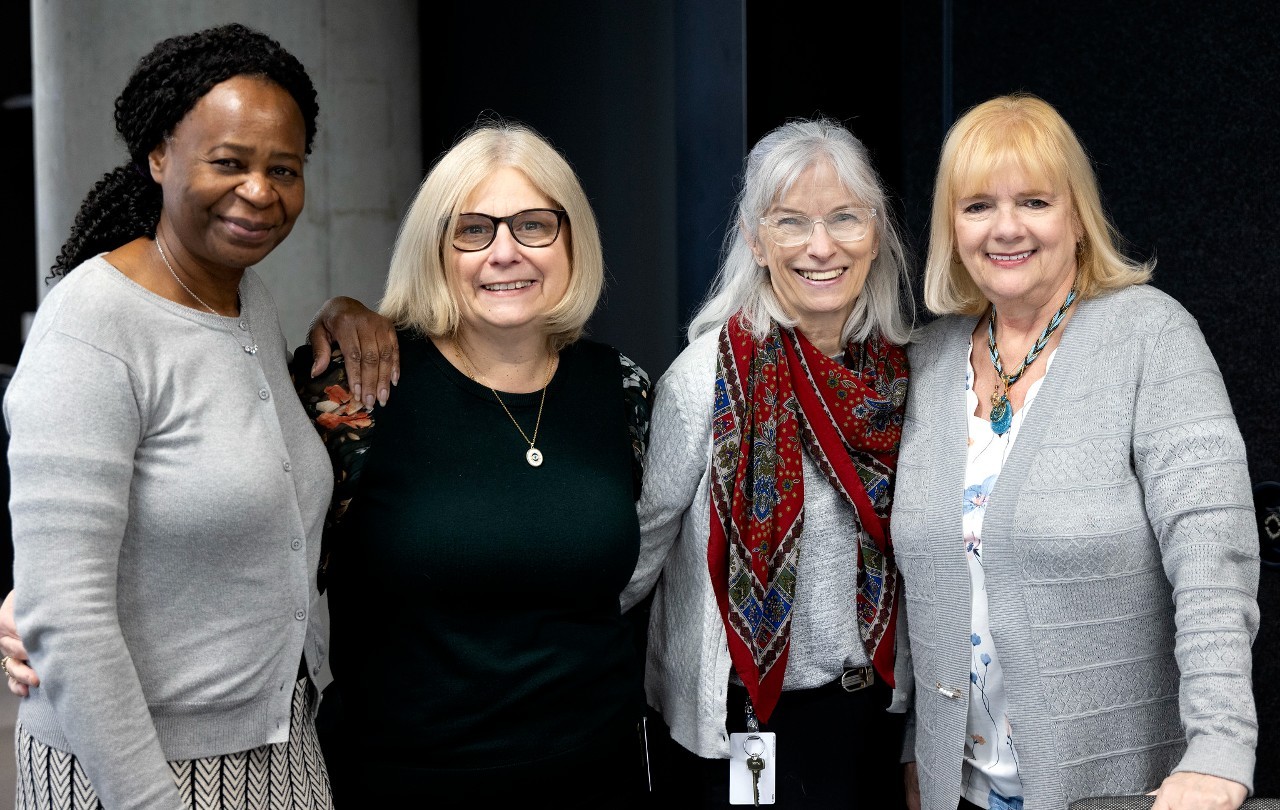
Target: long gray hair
x=885 y=305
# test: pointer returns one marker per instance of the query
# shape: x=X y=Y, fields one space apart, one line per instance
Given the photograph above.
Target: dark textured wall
x=1178 y=104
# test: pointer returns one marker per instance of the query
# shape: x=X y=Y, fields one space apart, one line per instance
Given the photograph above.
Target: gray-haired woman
x=767 y=492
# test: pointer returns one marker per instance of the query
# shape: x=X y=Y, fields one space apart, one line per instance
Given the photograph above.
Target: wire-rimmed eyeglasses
x=845 y=225
x=533 y=227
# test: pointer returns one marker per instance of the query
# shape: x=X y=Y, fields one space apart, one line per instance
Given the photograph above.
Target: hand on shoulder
x=368 y=343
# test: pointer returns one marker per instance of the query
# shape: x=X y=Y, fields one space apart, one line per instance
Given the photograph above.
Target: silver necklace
x=533 y=455
x=252 y=348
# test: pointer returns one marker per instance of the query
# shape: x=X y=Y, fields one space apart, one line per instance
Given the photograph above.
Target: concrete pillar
x=367 y=159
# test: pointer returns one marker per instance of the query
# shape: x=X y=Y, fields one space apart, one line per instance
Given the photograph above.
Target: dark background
x=17 y=179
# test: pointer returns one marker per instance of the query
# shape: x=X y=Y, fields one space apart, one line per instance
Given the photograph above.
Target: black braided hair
x=166 y=84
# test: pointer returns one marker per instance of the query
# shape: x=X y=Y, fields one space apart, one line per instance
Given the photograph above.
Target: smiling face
x=508 y=286
x=1017 y=238
x=231 y=175
x=817 y=282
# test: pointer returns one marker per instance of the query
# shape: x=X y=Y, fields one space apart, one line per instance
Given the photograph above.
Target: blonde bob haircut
x=420 y=294
x=1023 y=131
x=885 y=306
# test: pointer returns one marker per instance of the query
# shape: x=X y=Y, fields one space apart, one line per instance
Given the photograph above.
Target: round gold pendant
x=534 y=457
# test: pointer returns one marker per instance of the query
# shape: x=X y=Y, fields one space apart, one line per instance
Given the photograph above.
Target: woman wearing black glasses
x=767 y=493
x=484 y=521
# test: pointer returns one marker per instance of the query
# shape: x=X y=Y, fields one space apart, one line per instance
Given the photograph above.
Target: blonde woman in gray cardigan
x=1072 y=515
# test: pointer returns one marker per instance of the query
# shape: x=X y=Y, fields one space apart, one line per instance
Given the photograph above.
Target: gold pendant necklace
x=533 y=455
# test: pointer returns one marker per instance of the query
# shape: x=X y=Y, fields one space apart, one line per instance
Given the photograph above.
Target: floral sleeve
x=344 y=426
x=635 y=393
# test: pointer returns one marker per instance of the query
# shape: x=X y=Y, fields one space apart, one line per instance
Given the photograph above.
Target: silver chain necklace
x=252 y=348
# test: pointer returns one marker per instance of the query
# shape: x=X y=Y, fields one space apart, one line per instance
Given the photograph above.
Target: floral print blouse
x=991 y=777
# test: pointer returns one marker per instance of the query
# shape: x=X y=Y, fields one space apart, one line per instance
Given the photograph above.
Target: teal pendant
x=1001 y=416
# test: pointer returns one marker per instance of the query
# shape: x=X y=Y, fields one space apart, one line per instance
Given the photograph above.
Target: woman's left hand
x=1199 y=791
x=21 y=676
x=369 y=348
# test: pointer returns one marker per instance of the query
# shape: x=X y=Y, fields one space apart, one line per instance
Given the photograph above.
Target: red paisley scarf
x=773 y=398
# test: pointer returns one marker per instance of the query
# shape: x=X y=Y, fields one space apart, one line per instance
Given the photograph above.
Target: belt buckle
x=853 y=680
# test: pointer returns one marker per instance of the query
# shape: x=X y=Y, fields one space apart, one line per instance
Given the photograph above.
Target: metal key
x=755 y=764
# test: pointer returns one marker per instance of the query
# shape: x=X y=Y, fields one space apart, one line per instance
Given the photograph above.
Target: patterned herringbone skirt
x=282 y=776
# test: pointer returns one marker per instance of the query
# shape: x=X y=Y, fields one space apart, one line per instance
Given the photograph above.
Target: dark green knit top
x=474 y=597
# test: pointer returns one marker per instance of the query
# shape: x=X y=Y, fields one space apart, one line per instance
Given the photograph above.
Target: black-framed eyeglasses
x=533 y=227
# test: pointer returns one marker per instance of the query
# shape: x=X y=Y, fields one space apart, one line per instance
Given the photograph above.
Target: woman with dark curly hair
x=168 y=489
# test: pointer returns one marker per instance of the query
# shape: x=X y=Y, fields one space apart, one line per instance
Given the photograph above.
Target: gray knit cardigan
x=168 y=497
x=1120 y=553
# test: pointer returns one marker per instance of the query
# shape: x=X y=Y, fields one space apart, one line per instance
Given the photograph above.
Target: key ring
x=747 y=750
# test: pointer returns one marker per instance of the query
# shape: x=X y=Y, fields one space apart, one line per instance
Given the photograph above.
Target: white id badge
x=741 y=746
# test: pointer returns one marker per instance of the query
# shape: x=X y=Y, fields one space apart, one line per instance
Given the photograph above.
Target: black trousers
x=836 y=749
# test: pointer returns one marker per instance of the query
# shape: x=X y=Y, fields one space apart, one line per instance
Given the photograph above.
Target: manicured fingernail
x=355 y=391
x=368 y=402
x=382 y=396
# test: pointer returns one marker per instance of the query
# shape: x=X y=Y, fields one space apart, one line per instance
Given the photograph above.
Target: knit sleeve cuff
x=1219 y=757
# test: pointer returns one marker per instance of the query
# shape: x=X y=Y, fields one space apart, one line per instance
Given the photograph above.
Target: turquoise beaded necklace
x=1001 y=411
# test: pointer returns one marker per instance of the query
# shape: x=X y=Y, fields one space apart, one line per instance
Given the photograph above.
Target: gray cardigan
x=168 y=493
x=1120 y=553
